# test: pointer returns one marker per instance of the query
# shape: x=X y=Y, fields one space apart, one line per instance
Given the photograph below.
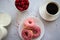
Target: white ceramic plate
x=38 y=22
x=5 y=19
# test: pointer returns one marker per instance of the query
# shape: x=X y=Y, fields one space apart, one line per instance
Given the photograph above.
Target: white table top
x=52 y=29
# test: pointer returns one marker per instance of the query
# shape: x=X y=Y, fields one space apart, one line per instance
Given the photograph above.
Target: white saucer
x=5 y=19
x=45 y=16
x=38 y=22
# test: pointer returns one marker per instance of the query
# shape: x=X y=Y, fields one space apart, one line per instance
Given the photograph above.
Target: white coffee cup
x=45 y=14
x=5 y=19
x=3 y=32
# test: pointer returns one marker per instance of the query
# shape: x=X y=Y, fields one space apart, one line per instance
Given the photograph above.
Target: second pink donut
x=29 y=22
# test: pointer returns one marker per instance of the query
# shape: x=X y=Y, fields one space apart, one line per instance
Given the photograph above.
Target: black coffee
x=52 y=8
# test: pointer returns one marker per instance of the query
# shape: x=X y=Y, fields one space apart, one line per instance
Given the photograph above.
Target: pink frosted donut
x=36 y=30
x=29 y=22
x=27 y=34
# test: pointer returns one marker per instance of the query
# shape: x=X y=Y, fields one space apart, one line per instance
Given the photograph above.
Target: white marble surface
x=52 y=29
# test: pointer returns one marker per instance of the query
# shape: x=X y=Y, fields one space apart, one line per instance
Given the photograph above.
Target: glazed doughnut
x=29 y=22
x=36 y=30
x=27 y=34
